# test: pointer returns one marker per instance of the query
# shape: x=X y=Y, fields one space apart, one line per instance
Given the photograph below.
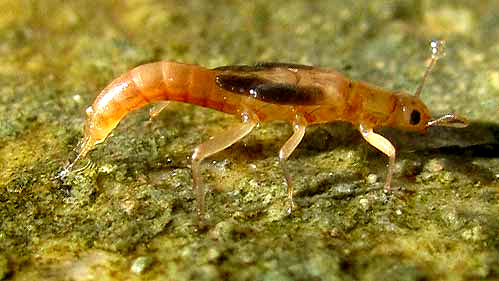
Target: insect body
x=302 y=95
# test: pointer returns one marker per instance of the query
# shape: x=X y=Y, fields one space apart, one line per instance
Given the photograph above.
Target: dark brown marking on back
x=261 y=66
x=238 y=68
x=267 y=65
x=268 y=91
x=239 y=84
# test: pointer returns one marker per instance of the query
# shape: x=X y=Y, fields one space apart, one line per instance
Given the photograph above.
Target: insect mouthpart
x=449 y=120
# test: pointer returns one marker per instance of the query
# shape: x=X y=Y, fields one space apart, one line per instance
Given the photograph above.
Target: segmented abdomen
x=182 y=82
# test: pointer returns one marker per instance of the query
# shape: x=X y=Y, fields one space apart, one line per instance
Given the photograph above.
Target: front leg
x=384 y=146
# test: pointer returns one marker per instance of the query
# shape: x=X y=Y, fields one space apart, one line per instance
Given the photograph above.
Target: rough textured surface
x=128 y=215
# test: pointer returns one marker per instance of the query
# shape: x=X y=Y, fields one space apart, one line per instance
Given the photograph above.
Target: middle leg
x=299 y=126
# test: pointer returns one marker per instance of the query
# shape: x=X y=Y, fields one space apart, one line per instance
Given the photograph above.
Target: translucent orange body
x=301 y=95
x=344 y=99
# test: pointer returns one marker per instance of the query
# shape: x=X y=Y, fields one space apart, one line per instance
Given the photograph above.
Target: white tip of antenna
x=437 y=49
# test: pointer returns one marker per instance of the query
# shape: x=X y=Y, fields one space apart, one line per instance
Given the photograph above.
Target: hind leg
x=212 y=146
x=153 y=112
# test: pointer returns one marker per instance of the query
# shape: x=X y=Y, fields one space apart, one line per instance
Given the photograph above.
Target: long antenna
x=437 y=51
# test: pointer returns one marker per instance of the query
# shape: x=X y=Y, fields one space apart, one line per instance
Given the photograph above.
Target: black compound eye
x=415 y=117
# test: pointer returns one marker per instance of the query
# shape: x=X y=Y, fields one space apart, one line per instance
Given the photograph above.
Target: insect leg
x=157 y=109
x=212 y=146
x=299 y=126
x=384 y=146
